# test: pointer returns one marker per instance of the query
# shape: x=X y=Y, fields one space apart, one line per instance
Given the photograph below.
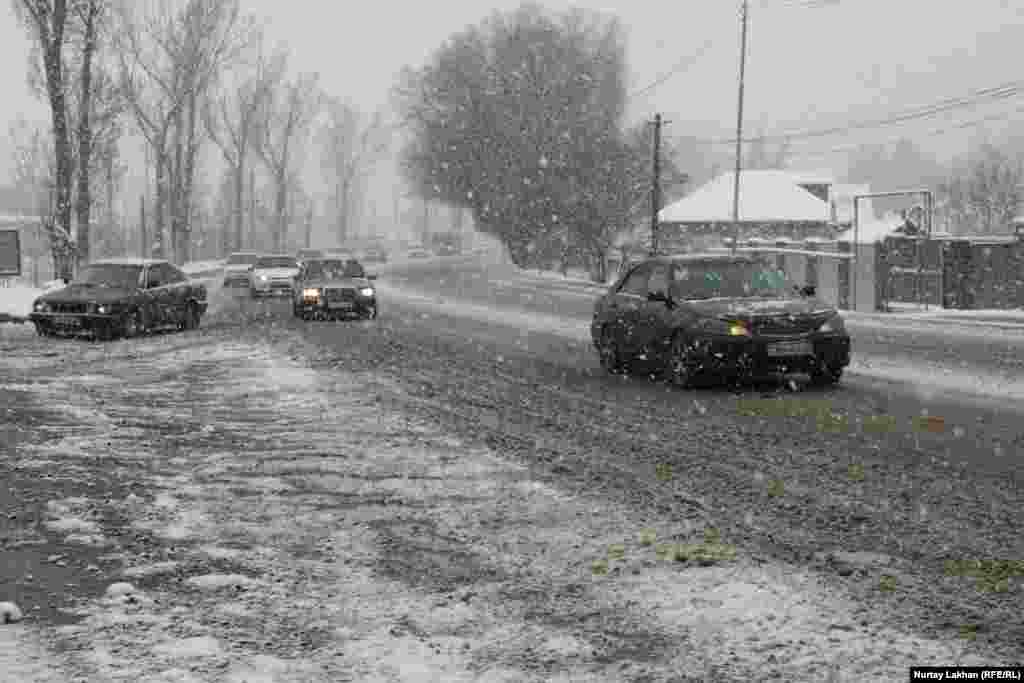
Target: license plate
x=794 y=348
x=344 y=306
x=67 y=321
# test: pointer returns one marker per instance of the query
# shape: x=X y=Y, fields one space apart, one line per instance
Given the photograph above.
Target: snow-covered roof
x=128 y=261
x=765 y=196
x=871 y=231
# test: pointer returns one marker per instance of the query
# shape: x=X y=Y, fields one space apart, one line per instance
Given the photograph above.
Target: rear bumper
x=740 y=356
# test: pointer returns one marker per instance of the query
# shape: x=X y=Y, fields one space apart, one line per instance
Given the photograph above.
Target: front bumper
x=272 y=288
x=320 y=308
x=74 y=323
x=237 y=280
x=733 y=356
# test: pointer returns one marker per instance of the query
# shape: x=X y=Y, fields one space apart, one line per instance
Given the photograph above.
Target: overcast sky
x=810 y=64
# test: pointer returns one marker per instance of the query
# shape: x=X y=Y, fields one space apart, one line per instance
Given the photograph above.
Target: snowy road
x=424 y=498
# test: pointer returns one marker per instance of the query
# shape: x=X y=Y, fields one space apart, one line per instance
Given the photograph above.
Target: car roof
x=329 y=259
x=288 y=256
x=246 y=253
x=128 y=261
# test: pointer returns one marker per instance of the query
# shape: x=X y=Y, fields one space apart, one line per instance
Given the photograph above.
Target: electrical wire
x=983 y=96
x=680 y=66
x=932 y=133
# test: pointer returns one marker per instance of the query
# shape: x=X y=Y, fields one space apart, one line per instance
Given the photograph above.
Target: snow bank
x=16 y=301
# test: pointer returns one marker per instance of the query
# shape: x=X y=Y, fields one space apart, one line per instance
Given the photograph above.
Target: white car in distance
x=273 y=275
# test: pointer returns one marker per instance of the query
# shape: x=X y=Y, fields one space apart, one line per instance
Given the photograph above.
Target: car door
x=653 y=318
x=159 y=295
x=625 y=307
x=177 y=282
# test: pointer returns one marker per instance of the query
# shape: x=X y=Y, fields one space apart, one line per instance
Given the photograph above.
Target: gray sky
x=808 y=66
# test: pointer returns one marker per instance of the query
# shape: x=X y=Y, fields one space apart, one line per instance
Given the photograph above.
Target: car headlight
x=311 y=293
x=833 y=325
x=263 y=278
x=366 y=291
x=104 y=309
x=729 y=328
x=40 y=307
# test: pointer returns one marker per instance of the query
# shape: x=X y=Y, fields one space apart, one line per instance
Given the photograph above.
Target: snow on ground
x=927 y=377
x=366 y=543
x=16 y=300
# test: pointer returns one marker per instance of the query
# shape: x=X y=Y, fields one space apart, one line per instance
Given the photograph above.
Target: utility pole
x=739 y=130
x=143 y=238
x=656 y=181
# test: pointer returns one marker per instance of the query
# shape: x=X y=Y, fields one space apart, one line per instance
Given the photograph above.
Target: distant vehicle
x=330 y=288
x=418 y=252
x=121 y=297
x=306 y=254
x=236 y=270
x=445 y=249
x=273 y=275
x=717 y=316
x=375 y=255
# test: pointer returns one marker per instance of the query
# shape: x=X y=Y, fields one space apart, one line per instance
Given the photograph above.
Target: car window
x=636 y=281
x=154 y=278
x=658 y=282
x=173 y=275
x=243 y=259
x=709 y=280
x=276 y=262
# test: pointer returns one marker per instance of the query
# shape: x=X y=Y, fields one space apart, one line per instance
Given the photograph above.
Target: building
x=773 y=204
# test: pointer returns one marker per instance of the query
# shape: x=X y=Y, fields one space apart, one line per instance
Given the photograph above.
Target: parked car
x=236 y=270
x=273 y=275
x=121 y=297
x=418 y=253
x=333 y=288
x=306 y=254
x=717 y=316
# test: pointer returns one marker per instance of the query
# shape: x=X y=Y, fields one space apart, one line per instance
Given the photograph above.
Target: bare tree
x=231 y=122
x=286 y=116
x=349 y=148
x=46 y=20
x=169 y=62
x=983 y=192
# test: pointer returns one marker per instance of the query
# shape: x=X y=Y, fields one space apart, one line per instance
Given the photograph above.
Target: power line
x=932 y=133
x=680 y=66
x=985 y=95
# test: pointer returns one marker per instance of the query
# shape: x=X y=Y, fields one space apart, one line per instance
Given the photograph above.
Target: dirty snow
x=370 y=545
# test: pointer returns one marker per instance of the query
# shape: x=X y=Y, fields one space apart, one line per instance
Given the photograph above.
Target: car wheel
x=681 y=368
x=253 y=293
x=371 y=312
x=191 y=317
x=611 y=357
x=43 y=330
x=826 y=375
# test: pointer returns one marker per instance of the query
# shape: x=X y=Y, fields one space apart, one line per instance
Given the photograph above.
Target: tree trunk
x=143 y=238
x=176 y=185
x=343 y=211
x=160 y=208
x=83 y=205
x=191 y=151
x=252 y=207
x=239 y=203
x=280 y=210
x=50 y=28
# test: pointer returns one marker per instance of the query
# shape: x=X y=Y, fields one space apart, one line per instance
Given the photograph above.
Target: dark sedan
x=121 y=297
x=329 y=288
x=717 y=316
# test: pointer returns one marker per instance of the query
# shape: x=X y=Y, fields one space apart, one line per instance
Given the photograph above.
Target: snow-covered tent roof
x=765 y=196
x=873 y=229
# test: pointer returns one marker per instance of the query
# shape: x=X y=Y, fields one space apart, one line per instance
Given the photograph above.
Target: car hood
x=277 y=272
x=746 y=308
x=80 y=293
x=356 y=282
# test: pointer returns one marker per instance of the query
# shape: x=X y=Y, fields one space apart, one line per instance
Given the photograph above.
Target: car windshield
x=333 y=270
x=276 y=262
x=110 y=275
x=243 y=259
x=714 y=280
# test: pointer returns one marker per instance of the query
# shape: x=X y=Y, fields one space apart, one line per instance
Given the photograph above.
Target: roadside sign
x=10 y=253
